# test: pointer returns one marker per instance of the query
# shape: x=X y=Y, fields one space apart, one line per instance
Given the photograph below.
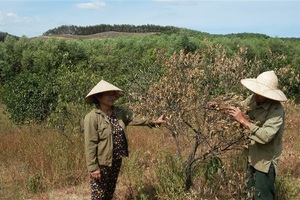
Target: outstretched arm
x=160 y=120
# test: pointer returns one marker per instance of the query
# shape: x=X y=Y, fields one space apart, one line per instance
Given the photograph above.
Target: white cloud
x=91 y=5
x=13 y=18
x=10 y=14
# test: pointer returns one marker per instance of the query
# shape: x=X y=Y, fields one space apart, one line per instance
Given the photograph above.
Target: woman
x=105 y=138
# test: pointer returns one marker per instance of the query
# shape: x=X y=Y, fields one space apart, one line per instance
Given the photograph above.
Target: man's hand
x=239 y=116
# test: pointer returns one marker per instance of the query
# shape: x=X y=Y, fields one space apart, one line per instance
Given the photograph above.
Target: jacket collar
x=266 y=105
x=99 y=111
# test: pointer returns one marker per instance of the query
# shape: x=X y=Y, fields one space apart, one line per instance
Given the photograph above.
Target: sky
x=275 y=18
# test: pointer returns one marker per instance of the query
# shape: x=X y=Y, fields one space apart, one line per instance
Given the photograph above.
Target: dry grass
x=289 y=166
x=24 y=156
x=291 y=145
x=137 y=174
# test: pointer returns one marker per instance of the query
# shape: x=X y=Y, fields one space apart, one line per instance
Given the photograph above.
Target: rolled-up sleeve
x=268 y=130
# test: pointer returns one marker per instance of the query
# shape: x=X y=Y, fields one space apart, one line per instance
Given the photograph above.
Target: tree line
x=89 y=30
x=37 y=75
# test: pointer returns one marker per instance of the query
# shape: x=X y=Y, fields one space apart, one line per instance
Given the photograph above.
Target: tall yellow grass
x=40 y=163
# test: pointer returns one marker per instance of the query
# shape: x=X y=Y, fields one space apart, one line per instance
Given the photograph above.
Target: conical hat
x=102 y=86
x=266 y=85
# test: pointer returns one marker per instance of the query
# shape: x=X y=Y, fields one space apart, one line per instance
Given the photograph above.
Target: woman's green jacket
x=99 y=138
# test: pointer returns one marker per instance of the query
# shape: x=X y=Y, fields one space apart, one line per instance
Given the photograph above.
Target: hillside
x=3 y=35
x=104 y=31
x=103 y=35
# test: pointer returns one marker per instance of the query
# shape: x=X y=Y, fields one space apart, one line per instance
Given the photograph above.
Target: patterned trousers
x=104 y=188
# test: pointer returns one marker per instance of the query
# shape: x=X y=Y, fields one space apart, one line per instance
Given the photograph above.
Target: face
x=259 y=99
x=107 y=98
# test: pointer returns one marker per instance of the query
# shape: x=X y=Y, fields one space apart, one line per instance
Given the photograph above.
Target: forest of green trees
x=39 y=75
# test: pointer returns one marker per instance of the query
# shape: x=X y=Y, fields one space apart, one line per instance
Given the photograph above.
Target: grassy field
x=40 y=163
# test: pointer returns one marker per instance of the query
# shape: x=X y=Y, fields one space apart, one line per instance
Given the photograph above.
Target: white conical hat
x=102 y=86
x=266 y=85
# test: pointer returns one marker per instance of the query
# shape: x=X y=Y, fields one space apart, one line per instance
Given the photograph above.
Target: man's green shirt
x=266 y=132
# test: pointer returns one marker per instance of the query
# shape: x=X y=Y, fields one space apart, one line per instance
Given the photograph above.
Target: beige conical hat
x=102 y=86
x=266 y=85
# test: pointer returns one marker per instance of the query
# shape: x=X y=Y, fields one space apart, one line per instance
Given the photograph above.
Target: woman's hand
x=96 y=174
x=160 y=120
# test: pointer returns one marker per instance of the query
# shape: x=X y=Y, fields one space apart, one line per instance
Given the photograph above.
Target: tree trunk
x=188 y=172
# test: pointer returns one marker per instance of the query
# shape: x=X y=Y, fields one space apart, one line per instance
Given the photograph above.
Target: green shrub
x=34 y=184
x=30 y=97
x=170 y=177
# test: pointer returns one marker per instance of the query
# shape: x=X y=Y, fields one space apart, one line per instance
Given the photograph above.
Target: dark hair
x=95 y=98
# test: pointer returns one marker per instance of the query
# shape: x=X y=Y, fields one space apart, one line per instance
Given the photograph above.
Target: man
x=265 y=108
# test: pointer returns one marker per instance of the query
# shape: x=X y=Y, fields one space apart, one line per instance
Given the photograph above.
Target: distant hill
x=3 y=35
x=103 y=35
x=112 y=31
x=104 y=31
x=91 y=30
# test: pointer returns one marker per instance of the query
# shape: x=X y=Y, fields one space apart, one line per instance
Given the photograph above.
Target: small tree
x=189 y=82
